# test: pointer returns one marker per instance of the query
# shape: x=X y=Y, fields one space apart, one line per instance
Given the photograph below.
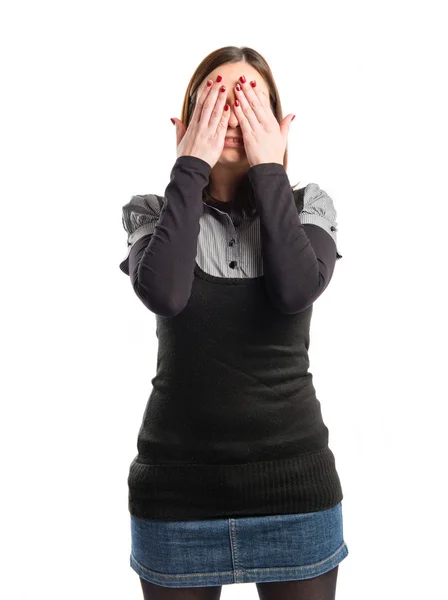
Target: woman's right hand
x=206 y=132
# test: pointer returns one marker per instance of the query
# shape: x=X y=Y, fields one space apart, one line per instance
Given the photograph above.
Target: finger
x=251 y=104
x=209 y=103
x=217 y=113
x=203 y=96
x=266 y=102
x=223 y=124
x=262 y=96
x=203 y=93
x=246 y=128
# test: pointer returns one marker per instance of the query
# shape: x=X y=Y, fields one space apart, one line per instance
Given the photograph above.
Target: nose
x=233 y=121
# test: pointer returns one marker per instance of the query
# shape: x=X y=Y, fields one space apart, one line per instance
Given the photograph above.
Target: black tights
x=322 y=587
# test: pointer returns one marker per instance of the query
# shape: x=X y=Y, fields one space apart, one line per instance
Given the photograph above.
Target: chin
x=229 y=155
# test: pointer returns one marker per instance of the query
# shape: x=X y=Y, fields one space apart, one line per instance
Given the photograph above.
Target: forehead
x=231 y=72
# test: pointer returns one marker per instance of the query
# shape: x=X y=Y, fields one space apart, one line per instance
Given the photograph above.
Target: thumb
x=286 y=124
x=180 y=130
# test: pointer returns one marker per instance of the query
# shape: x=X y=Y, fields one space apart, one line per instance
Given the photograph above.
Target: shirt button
x=232 y=264
x=333 y=228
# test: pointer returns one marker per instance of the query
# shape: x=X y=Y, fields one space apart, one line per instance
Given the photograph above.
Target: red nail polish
x=253 y=83
x=238 y=87
x=242 y=79
x=209 y=82
x=219 y=78
x=293 y=118
x=237 y=103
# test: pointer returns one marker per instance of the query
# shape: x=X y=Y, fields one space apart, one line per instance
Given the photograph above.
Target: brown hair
x=233 y=54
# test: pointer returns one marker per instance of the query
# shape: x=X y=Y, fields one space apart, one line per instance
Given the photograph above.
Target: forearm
x=162 y=269
x=297 y=266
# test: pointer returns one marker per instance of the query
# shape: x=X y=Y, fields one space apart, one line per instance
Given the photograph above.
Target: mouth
x=233 y=142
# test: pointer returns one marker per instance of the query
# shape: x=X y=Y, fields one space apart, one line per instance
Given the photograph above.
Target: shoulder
x=317 y=202
x=313 y=197
x=139 y=217
x=316 y=197
x=319 y=209
x=142 y=209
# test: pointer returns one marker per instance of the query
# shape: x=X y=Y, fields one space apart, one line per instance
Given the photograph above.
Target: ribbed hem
x=303 y=484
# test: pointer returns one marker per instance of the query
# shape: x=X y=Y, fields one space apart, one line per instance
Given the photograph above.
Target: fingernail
x=294 y=116
x=173 y=121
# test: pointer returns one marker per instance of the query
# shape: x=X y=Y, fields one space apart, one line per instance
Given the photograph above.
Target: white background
x=88 y=89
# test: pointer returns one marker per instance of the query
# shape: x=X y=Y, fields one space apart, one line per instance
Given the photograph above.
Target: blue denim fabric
x=237 y=550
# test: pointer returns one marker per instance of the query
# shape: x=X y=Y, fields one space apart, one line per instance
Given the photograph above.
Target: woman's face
x=230 y=73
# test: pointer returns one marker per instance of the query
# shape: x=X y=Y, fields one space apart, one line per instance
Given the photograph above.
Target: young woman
x=234 y=481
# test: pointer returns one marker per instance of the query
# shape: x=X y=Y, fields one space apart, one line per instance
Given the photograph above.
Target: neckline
x=226 y=280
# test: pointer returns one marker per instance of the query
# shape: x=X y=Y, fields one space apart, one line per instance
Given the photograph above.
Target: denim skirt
x=221 y=551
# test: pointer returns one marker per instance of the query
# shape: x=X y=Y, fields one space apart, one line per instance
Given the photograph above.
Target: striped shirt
x=229 y=245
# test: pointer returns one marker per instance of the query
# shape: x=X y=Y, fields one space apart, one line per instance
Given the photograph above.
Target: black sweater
x=232 y=426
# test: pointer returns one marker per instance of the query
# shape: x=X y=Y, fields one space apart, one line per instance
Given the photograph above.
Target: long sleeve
x=162 y=256
x=298 y=259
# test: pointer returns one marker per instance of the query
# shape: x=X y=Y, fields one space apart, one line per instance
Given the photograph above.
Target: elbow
x=158 y=304
x=292 y=301
x=300 y=302
x=289 y=303
x=294 y=306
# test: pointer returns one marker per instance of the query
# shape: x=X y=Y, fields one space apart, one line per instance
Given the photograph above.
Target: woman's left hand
x=264 y=139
